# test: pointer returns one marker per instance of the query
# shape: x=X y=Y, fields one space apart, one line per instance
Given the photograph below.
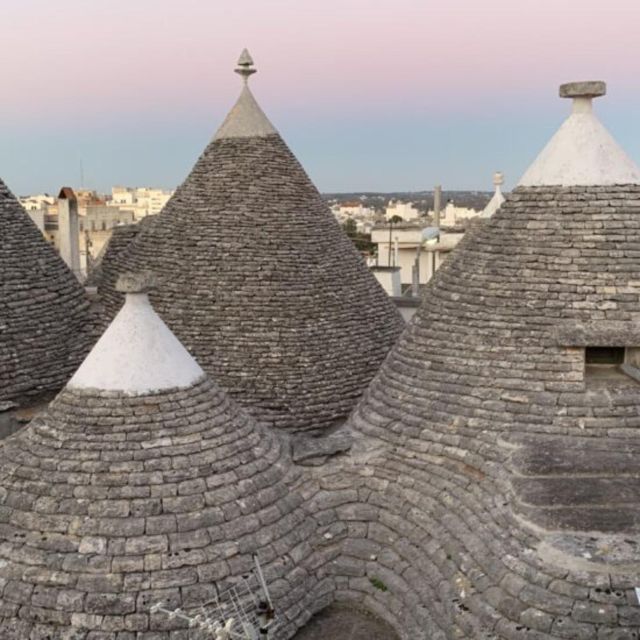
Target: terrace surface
x=346 y=624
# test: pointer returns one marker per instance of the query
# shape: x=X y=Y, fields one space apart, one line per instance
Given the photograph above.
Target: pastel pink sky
x=97 y=64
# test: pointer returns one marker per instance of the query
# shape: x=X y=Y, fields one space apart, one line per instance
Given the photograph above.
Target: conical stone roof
x=259 y=282
x=508 y=496
x=143 y=484
x=44 y=321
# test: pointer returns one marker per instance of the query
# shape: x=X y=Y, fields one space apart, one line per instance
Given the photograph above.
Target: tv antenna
x=242 y=611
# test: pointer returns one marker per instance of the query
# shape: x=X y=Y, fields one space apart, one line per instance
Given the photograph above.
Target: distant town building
x=414 y=244
x=404 y=210
x=454 y=216
x=96 y=219
x=38 y=202
x=354 y=210
x=98 y=215
x=141 y=201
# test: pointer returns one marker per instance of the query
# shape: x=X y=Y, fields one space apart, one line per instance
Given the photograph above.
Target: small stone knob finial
x=245 y=66
x=588 y=89
x=498 y=178
x=136 y=282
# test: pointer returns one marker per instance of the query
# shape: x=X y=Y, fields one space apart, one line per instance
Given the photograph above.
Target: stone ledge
x=307 y=450
x=598 y=334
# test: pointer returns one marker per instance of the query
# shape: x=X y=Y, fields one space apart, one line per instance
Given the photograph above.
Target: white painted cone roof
x=581 y=153
x=137 y=354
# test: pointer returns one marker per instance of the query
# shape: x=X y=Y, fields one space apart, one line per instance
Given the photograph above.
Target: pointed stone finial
x=245 y=66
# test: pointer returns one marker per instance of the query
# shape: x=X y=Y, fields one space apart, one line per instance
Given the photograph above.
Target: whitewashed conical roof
x=137 y=353
x=582 y=152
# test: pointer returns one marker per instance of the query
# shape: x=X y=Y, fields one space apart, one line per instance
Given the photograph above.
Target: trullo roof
x=259 y=282
x=508 y=463
x=143 y=484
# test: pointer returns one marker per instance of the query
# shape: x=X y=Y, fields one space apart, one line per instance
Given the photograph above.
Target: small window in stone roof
x=611 y=364
x=611 y=356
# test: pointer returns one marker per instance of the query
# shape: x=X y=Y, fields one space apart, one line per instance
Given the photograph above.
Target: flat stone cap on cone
x=141 y=282
x=45 y=326
x=258 y=281
x=589 y=89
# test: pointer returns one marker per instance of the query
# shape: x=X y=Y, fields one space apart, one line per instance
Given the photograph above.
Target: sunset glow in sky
x=370 y=94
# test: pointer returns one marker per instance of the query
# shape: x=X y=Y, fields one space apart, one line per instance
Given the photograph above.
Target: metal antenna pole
x=237 y=612
x=266 y=611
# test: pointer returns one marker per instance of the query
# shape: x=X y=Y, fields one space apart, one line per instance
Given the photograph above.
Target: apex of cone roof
x=582 y=152
x=137 y=353
x=246 y=119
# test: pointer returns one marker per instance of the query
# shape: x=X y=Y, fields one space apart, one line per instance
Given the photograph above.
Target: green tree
x=350 y=227
x=362 y=241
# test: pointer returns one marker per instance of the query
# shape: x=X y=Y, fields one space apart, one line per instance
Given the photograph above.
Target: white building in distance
x=141 y=201
x=453 y=216
x=404 y=210
x=37 y=202
x=413 y=244
x=354 y=209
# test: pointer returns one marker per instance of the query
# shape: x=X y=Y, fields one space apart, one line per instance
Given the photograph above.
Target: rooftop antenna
x=242 y=611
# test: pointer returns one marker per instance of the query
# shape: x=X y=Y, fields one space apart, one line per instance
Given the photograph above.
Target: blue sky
x=372 y=95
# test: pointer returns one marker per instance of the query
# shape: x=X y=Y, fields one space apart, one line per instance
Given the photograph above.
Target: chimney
x=437 y=205
x=68 y=229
